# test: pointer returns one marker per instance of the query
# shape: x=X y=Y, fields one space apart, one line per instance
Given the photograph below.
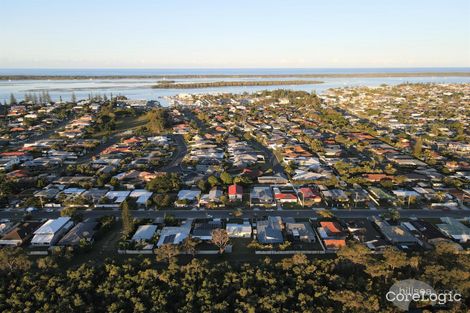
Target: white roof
x=118 y=196
x=42 y=239
x=77 y=191
x=142 y=195
x=188 y=194
x=235 y=230
x=144 y=232
x=176 y=234
x=52 y=226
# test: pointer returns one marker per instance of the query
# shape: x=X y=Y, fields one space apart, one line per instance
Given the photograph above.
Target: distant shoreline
x=172 y=85
x=198 y=76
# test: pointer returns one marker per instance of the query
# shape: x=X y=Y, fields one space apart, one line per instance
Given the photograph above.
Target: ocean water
x=135 y=88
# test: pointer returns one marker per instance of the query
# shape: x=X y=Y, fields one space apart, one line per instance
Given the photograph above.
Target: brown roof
x=22 y=231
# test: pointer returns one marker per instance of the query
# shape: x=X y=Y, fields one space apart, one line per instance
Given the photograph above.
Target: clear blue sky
x=254 y=33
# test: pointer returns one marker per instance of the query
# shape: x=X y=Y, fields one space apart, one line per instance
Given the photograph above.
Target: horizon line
x=230 y=68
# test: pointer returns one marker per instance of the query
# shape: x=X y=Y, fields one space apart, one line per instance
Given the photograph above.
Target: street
x=245 y=214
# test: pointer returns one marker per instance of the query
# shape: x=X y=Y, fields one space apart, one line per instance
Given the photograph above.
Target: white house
x=51 y=231
x=144 y=233
x=174 y=234
x=142 y=196
x=238 y=230
x=454 y=229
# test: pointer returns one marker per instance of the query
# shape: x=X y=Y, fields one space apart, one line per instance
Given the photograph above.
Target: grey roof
x=205 y=229
x=302 y=229
x=269 y=231
x=83 y=230
x=453 y=227
x=395 y=234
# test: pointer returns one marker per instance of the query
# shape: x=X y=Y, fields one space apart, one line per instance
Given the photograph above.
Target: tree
x=226 y=178
x=394 y=215
x=164 y=183
x=12 y=99
x=220 y=238
x=189 y=245
x=394 y=258
x=47 y=263
x=213 y=181
x=325 y=213
x=127 y=219
x=157 y=120
x=356 y=253
x=73 y=98
x=201 y=184
x=13 y=259
x=389 y=169
x=243 y=180
x=167 y=253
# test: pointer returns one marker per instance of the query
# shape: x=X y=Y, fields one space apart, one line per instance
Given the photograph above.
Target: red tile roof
x=235 y=189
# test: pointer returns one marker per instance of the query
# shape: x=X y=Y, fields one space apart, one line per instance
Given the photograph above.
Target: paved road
x=248 y=213
x=181 y=149
x=270 y=158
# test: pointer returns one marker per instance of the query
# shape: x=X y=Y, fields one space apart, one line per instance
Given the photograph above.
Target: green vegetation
x=356 y=281
x=169 y=182
x=127 y=219
x=157 y=120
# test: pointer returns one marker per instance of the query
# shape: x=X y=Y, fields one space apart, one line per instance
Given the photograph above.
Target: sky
x=234 y=34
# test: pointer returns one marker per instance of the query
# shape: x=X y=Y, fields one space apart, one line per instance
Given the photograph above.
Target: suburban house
x=82 y=231
x=203 y=229
x=365 y=232
x=454 y=229
x=301 y=231
x=117 y=197
x=308 y=197
x=236 y=230
x=213 y=197
x=175 y=234
x=426 y=231
x=275 y=179
x=51 y=231
x=19 y=234
x=397 y=234
x=285 y=194
x=235 y=192
x=332 y=234
x=142 y=197
x=144 y=233
x=261 y=195
x=188 y=196
x=270 y=230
